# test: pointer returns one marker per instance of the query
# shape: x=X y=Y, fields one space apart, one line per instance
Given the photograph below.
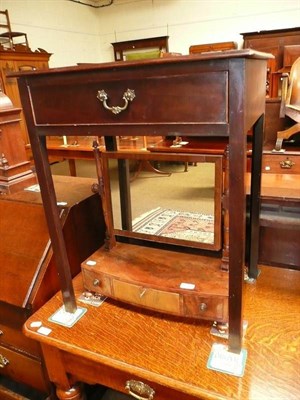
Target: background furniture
x=274 y=42
x=28 y=273
x=203 y=48
x=279 y=218
x=10 y=40
x=81 y=148
x=15 y=61
x=15 y=169
x=279 y=243
x=114 y=344
x=151 y=46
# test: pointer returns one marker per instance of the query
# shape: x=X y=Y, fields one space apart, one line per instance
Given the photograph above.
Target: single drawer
x=147 y=297
x=211 y=308
x=94 y=281
x=280 y=164
x=21 y=368
x=116 y=100
x=15 y=338
x=131 y=293
x=125 y=382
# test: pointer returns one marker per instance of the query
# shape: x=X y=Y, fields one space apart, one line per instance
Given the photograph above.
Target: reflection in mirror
x=175 y=201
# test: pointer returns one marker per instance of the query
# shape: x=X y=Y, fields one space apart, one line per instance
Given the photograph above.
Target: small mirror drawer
x=147 y=297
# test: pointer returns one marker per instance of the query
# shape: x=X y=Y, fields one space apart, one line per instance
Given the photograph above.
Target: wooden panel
x=28 y=274
x=221 y=46
x=281 y=164
x=150 y=298
x=23 y=369
x=14 y=61
x=208 y=307
x=274 y=42
x=22 y=223
x=273 y=123
x=15 y=338
x=173 y=98
x=280 y=246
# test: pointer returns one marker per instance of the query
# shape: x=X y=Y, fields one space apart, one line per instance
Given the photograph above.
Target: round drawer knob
x=96 y=282
x=203 y=306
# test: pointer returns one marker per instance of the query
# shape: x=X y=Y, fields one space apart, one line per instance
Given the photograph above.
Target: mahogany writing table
x=214 y=95
x=115 y=343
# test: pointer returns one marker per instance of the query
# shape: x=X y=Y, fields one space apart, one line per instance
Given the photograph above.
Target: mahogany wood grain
x=116 y=342
x=213 y=94
x=153 y=278
x=278 y=186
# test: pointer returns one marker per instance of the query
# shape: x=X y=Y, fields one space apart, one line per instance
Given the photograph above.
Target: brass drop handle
x=128 y=96
x=286 y=164
x=3 y=361
x=139 y=390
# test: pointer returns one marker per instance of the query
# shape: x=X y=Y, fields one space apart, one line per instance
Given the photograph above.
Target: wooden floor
x=174 y=352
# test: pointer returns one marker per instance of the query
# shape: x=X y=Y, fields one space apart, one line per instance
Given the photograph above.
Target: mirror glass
x=162 y=199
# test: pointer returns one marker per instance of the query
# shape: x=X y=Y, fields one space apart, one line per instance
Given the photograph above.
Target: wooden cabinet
x=279 y=219
x=280 y=213
x=14 y=61
x=274 y=42
x=281 y=163
x=15 y=170
x=28 y=276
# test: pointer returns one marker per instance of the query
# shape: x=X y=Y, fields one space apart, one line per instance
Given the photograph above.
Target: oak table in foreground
x=115 y=343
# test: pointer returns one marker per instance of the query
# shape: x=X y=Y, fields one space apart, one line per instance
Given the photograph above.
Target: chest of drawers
x=287 y=162
x=28 y=276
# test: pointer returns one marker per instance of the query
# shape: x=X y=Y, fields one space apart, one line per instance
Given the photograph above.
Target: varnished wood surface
x=172 y=353
x=153 y=278
x=281 y=186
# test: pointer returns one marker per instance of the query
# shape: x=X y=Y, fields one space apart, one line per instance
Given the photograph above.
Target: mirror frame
x=123 y=158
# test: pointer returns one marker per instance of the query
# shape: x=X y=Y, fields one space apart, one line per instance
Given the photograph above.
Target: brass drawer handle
x=3 y=361
x=286 y=164
x=128 y=96
x=139 y=390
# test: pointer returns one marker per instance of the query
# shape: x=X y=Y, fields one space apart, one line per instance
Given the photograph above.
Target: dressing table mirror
x=178 y=207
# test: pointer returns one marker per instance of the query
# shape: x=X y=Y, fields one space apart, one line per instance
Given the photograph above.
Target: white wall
x=190 y=22
x=76 y=33
x=66 y=29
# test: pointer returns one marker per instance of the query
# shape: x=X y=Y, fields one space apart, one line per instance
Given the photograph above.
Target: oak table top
x=113 y=343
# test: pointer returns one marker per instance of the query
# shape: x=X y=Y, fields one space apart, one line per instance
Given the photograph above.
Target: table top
x=173 y=352
x=278 y=186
